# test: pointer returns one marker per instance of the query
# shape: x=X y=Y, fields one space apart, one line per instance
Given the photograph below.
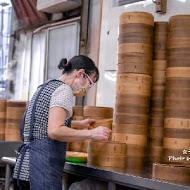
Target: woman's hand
x=100 y=133
x=87 y=123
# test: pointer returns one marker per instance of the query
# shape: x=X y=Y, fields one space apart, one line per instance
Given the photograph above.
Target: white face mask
x=80 y=90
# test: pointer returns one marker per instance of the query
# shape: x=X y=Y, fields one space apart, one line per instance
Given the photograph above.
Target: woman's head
x=82 y=71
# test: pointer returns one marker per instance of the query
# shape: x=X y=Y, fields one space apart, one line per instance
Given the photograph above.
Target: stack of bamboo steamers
x=156 y=123
x=176 y=140
x=10 y=116
x=133 y=86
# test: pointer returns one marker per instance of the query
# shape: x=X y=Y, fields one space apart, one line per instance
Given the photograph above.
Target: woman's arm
x=57 y=130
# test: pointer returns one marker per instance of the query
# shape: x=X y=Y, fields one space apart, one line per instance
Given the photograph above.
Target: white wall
x=109 y=36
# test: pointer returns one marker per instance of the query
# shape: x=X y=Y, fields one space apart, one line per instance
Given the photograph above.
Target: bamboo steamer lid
x=177 y=72
x=175 y=156
x=130 y=138
x=130 y=128
x=133 y=109
x=135 y=48
x=177 y=113
x=176 y=143
x=177 y=123
x=137 y=68
x=169 y=172
x=179 y=21
x=3 y=106
x=176 y=103
x=179 y=42
x=122 y=99
x=136 y=17
x=139 y=28
x=138 y=58
x=98 y=112
x=135 y=38
x=15 y=111
x=159 y=65
x=107 y=154
x=177 y=83
x=124 y=118
x=78 y=110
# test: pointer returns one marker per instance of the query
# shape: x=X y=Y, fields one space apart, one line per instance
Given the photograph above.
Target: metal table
x=112 y=177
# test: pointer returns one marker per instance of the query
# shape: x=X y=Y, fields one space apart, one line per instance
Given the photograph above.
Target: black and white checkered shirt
x=56 y=93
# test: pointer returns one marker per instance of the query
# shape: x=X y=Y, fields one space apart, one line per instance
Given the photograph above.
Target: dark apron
x=46 y=160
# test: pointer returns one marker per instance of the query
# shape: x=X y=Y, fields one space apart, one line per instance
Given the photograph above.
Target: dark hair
x=79 y=62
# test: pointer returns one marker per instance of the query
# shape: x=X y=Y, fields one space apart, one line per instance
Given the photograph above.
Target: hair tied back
x=63 y=63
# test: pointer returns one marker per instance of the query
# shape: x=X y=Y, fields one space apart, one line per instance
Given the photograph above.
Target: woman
x=41 y=159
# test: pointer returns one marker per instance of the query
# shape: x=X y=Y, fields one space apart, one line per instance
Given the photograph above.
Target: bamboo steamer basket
x=159 y=77
x=138 y=58
x=177 y=113
x=3 y=107
x=179 y=32
x=136 y=17
x=75 y=146
x=15 y=111
x=157 y=103
x=161 y=27
x=178 y=72
x=178 y=60
x=78 y=111
x=178 y=51
x=179 y=21
x=126 y=118
x=179 y=42
x=160 y=46
x=157 y=113
x=104 y=122
x=98 y=112
x=156 y=132
x=107 y=154
x=177 y=93
x=170 y=172
x=155 y=141
x=159 y=65
x=176 y=103
x=158 y=92
x=123 y=99
x=127 y=138
x=132 y=109
x=160 y=55
x=135 y=38
x=175 y=156
x=155 y=154
x=139 y=28
x=137 y=68
x=177 y=123
x=177 y=83
x=130 y=128
x=156 y=122
x=135 y=48
x=77 y=117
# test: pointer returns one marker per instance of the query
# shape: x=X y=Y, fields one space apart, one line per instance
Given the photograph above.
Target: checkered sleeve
x=63 y=97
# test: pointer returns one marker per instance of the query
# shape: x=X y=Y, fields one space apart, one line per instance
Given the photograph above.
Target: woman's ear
x=80 y=73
